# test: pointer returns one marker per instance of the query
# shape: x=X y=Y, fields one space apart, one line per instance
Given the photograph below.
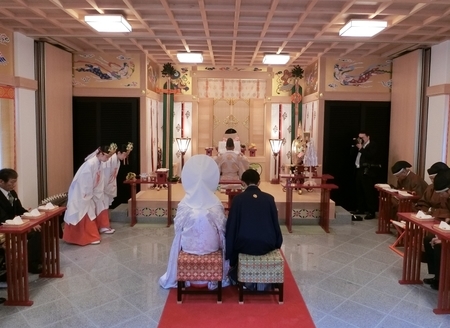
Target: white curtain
x=231 y=88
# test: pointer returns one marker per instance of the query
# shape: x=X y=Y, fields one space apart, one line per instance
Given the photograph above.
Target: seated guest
x=431 y=202
x=10 y=207
x=200 y=221
x=408 y=180
x=231 y=164
x=252 y=225
x=431 y=243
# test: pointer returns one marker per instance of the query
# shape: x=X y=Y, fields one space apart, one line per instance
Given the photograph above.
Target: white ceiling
x=233 y=32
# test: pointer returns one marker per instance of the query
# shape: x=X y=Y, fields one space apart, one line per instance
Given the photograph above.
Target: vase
x=252 y=152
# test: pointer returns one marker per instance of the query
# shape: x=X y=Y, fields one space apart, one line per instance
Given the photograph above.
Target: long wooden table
x=414 y=233
x=133 y=184
x=405 y=204
x=17 y=254
x=325 y=189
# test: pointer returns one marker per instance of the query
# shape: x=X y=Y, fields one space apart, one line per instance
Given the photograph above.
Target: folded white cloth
x=404 y=193
x=383 y=185
x=444 y=226
x=16 y=221
x=33 y=212
x=48 y=206
x=422 y=215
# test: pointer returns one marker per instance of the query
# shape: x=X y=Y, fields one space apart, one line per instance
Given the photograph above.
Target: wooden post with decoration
x=168 y=105
x=296 y=98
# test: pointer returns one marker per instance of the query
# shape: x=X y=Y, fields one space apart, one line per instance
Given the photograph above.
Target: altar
x=151 y=205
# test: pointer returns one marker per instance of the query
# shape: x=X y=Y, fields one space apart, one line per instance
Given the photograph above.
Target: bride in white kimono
x=200 y=220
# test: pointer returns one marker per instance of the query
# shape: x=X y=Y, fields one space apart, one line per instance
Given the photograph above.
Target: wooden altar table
x=325 y=189
x=231 y=192
x=405 y=204
x=414 y=233
x=133 y=184
x=17 y=254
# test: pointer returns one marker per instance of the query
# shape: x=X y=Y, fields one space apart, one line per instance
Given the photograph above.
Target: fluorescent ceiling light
x=190 y=57
x=108 y=23
x=275 y=59
x=363 y=27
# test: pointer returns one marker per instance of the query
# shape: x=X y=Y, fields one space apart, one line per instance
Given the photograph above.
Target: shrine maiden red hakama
x=85 y=192
x=110 y=169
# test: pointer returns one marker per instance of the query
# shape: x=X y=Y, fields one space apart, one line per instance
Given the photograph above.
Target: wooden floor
x=151 y=203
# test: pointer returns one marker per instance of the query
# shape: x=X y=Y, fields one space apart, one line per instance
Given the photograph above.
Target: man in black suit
x=252 y=224
x=366 y=173
x=10 y=207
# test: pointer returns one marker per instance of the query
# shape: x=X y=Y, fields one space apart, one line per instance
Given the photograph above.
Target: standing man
x=252 y=224
x=10 y=206
x=366 y=173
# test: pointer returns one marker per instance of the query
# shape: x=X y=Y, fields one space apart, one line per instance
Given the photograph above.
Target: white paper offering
x=16 y=221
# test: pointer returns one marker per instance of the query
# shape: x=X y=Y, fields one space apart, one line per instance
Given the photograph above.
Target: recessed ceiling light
x=363 y=27
x=190 y=57
x=275 y=59
x=108 y=23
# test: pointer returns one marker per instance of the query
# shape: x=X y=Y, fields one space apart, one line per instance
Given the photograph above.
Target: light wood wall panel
x=205 y=125
x=58 y=99
x=405 y=102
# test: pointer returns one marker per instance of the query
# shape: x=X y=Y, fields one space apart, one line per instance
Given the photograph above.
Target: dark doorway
x=343 y=121
x=100 y=121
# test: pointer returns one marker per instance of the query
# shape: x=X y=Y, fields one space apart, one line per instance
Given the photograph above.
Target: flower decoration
x=112 y=148
x=131 y=176
x=168 y=70
x=252 y=146
x=129 y=147
x=297 y=72
x=243 y=146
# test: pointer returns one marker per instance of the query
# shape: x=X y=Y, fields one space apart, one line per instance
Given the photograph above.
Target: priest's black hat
x=230 y=143
x=399 y=166
x=437 y=167
x=442 y=181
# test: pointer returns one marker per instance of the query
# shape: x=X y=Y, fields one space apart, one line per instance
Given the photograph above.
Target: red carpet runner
x=258 y=311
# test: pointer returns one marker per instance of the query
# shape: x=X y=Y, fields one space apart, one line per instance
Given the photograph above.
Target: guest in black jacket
x=252 y=224
x=10 y=207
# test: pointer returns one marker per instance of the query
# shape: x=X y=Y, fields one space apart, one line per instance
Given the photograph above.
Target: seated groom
x=252 y=225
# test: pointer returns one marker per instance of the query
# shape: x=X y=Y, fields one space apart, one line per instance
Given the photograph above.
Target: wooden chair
x=399 y=242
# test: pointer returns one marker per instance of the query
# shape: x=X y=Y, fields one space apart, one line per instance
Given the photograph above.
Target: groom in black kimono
x=252 y=224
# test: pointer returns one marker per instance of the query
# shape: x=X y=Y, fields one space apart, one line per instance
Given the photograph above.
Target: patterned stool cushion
x=268 y=268
x=193 y=267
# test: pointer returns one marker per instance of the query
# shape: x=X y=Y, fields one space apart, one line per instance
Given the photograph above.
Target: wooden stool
x=268 y=269
x=193 y=267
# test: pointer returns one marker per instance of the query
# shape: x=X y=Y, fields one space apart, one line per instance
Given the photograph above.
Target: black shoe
x=369 y=216
x=429 y=281
x=435 y=285
x=35 y=268
x=356 y=218
x=2 y=300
